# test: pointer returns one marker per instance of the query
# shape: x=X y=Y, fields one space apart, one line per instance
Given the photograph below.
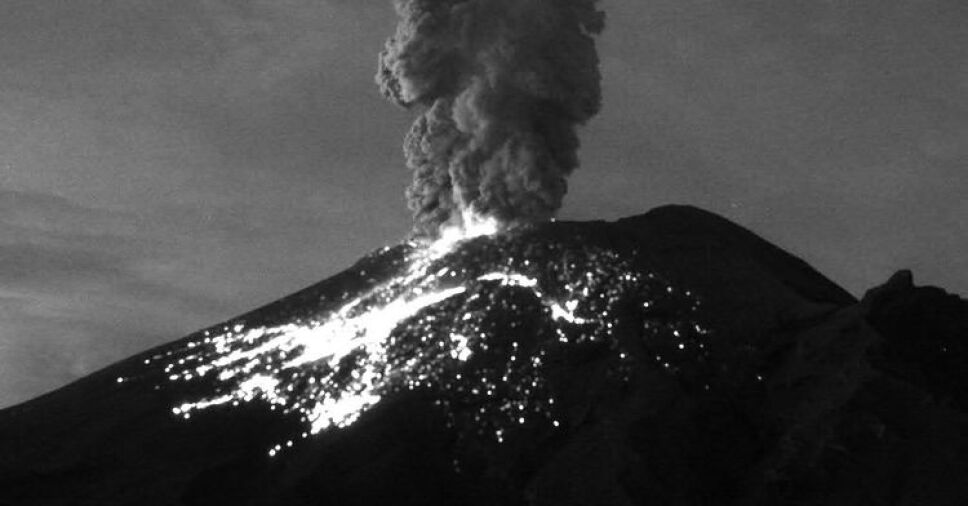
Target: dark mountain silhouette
x=672 y=358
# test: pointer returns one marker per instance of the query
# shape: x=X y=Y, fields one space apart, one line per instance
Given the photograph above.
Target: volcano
x=671 y=358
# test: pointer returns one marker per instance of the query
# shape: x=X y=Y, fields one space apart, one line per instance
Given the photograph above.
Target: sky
x=166 y=165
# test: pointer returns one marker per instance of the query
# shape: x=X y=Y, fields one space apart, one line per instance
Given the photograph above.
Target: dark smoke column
x=504 y=84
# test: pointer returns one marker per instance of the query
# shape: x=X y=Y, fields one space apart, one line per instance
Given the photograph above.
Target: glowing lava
x=473 y=316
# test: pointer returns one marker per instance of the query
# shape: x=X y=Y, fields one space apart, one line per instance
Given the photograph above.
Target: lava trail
x=474 y=318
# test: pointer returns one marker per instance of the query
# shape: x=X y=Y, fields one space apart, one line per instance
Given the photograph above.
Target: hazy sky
x=167 y=164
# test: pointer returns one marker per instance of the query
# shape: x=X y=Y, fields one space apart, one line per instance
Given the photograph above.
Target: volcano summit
x=671 y=358
x=501 y=358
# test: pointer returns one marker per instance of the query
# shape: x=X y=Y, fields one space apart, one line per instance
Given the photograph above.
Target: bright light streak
x=471 y=225
x=334 y=339
x=510 y=279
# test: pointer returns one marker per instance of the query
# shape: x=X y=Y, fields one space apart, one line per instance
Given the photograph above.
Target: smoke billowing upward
x=503 y=85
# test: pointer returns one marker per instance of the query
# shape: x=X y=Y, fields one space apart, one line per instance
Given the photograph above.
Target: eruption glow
x=470 y=226
x=472 y=317
x=476 y=315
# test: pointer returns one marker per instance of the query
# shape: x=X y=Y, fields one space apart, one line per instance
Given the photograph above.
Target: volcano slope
x=671 y=358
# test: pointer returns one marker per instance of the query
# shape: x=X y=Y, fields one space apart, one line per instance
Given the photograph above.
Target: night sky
x=165 y=165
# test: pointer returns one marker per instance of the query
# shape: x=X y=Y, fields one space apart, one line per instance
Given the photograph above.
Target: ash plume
x=503 y=84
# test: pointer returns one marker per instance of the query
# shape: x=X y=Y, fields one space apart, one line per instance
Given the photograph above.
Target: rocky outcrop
x=925 y=337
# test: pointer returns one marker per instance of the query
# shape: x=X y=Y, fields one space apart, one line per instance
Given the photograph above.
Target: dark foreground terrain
x=709 y=368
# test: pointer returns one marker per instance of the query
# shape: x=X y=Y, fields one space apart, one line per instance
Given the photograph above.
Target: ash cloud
x=503 y=85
